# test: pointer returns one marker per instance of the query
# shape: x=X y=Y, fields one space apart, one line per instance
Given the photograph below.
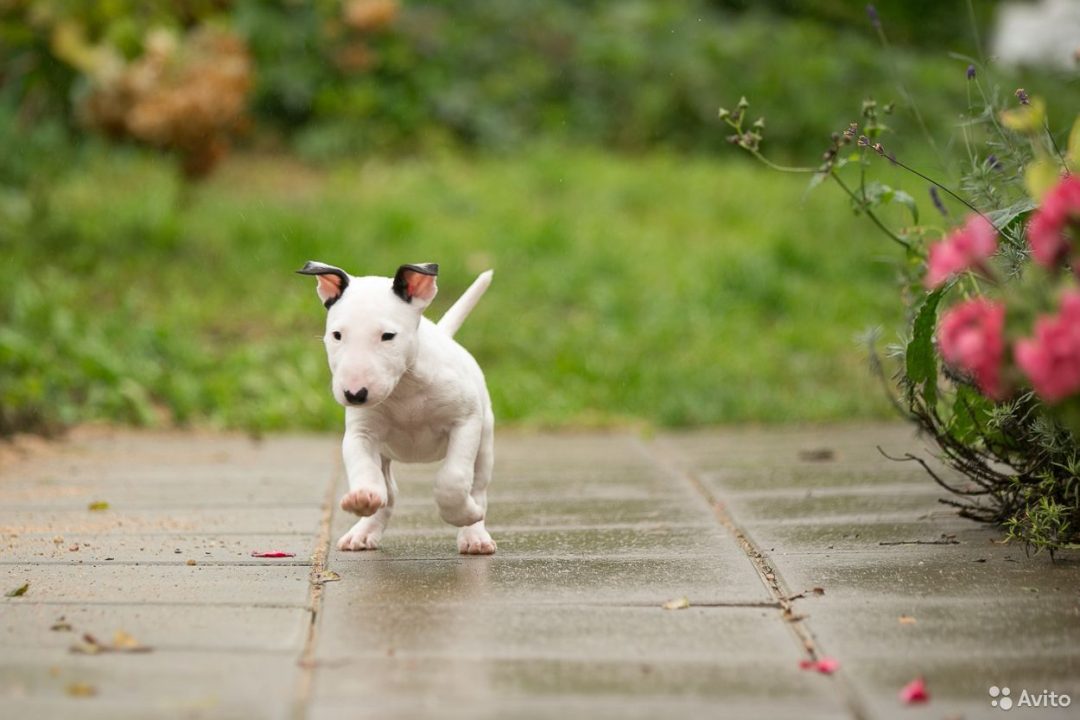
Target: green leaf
x=878 y=194
x=921 y=362
x=1002 y=218
x=970 y=415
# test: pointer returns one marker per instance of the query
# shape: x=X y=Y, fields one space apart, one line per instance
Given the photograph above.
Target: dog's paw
x=475 y=540
x=364 y=535
x=363 y=502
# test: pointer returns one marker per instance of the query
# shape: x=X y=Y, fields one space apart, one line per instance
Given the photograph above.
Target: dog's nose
x=356 y=398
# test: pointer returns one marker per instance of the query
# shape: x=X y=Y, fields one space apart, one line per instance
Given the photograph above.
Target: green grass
x=657 y=289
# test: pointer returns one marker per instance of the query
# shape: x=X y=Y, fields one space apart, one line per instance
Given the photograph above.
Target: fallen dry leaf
x=81 y=689
x=61 y=625
x=906 y=620
x=326 y=576
x=272 y=554
x=87 y=646
x=914 y=692
x=191 y=562
x=19 y=591
x=676 y=604
x=122 y=642
x=98 y=505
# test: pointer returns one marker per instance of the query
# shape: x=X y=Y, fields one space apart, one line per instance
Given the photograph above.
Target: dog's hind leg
x=454 y=481
x=366 y=534
x=475 y=539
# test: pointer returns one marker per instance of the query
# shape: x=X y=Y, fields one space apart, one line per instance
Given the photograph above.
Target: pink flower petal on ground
x=914 y=692
x=272 y=554
x=828 y=665
x=825 y=665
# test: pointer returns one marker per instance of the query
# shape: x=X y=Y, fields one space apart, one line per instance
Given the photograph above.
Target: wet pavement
x=595 y=531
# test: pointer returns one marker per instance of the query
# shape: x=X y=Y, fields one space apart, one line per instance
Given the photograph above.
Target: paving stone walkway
x=596 y=532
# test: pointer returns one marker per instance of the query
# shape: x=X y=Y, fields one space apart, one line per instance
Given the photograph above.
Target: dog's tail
x=455 y=316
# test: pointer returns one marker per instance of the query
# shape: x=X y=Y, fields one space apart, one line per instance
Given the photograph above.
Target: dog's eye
x=388 y=336
x=336 y=335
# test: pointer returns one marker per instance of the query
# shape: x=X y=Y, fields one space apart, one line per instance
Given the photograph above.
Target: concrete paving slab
x=35 y=683
x=476 y=631
x=644 y=581
x=285 y=585
x=245 y=520
x=154 y=548
x=619 y=541
x=977 y=571
x=598 y=706
x=188 y=492
x=164 y=628
x=401 y=687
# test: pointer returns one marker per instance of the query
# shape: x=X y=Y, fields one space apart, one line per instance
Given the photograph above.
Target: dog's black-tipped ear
x=331 y=281
x=417 y=282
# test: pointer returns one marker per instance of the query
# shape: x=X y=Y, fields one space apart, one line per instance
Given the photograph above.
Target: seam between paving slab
x=306 y=678
x=666 y=457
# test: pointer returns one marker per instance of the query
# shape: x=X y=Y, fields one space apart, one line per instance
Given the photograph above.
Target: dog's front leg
x=366 y=534
x=453 y=483
x=363 y=466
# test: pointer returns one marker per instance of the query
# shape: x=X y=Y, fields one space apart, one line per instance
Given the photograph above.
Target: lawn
x=660 y=289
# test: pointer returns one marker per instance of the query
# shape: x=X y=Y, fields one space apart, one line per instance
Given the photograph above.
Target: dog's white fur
x=422 y=398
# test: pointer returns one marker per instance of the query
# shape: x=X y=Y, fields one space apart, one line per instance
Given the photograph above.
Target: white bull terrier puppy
x=411 y=394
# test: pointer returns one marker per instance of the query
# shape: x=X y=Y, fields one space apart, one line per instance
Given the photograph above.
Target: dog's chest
x=416 y=429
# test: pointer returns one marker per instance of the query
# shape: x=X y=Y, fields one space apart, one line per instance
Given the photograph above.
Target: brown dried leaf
x=81 y=689
x=326 y=576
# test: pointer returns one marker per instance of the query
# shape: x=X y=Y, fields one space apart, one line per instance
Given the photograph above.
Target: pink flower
x=1052 y=358
x=970 y=336
x=1048 y=229
x=914 y=692
x=966 y=248
x=825 y=665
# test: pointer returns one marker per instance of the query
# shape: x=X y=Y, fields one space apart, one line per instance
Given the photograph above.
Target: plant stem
x=942 y=187
x=782 y=168
x=870 y=213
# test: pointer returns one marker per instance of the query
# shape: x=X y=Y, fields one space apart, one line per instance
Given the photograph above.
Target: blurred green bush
x=349 y=77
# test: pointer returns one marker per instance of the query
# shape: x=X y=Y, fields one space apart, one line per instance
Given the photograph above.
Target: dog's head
x=371 y=327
